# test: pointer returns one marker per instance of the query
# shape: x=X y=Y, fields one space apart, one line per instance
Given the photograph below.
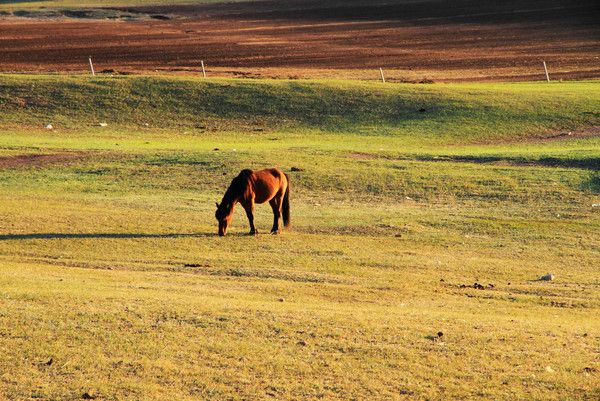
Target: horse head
x=223 y=215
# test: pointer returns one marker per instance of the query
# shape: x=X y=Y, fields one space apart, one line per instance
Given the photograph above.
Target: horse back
x=269 y=183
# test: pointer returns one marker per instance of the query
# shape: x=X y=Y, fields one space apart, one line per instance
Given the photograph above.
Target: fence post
x=546 y=71
x=91 y=66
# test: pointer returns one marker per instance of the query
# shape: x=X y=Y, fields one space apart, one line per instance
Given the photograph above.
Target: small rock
x=192 y=265
x=49 y=362
x=216 y=149
x=440 y=334
x=281 y=299
x=88 y=396
x=49 y=126
x=547 y=277
x=296 y=169
x=103 y=125
x=301 y=343
x=160 y=17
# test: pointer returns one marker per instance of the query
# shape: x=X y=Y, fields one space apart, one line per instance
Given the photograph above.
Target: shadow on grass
x=8 y=237
x=592 y=184
x=589 y=163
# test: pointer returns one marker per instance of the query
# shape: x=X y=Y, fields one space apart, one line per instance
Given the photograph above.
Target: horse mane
x=237 y=187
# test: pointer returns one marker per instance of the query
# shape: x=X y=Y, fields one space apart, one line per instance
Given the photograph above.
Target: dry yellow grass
x=114 y=285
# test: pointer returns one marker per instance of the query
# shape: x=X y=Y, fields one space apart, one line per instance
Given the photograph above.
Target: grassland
x=114 y=284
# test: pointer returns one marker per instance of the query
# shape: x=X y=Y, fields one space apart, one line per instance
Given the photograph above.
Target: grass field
x=114 y=285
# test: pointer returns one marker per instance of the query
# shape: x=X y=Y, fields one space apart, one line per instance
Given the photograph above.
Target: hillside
x=436 y=114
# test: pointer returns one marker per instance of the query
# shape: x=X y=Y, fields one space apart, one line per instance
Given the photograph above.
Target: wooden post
x=546 y=71
x=382 y=76
x=203 y=70
x=91 y=66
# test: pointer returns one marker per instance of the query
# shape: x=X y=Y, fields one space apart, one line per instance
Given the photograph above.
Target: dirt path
x=39 y=159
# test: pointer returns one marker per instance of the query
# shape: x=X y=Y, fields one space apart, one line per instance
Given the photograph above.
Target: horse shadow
x=9 y=237
x=12 y=237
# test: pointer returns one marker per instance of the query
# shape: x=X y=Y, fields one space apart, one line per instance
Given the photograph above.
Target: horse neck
x=229 y=201
x=234 y=194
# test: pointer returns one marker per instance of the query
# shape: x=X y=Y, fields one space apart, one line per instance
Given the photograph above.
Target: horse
x=251 y=187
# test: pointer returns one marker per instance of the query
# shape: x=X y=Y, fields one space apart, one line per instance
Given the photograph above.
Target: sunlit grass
x=114 y=284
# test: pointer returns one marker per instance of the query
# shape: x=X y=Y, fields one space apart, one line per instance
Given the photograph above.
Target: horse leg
x=276 y=206
x=249 y=208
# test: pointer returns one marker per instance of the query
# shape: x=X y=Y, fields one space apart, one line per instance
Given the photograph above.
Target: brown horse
x=249 y=187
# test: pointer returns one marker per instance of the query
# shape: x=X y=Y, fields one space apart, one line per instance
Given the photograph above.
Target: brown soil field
x=418 y=40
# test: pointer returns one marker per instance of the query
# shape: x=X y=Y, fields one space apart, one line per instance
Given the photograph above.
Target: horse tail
x=285 y=207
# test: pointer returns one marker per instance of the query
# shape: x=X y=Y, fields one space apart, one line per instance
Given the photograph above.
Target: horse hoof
x=254 y=233
x=276 y=232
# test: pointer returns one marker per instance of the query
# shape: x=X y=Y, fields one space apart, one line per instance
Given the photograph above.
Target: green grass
x=417 y=114
x=111 y=267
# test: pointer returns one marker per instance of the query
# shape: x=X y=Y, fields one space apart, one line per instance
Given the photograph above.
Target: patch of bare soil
x=413 y=41
x=590 y=163
x=587 y=131
x=587 y=163
x=38 y=159
x=583 y=132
